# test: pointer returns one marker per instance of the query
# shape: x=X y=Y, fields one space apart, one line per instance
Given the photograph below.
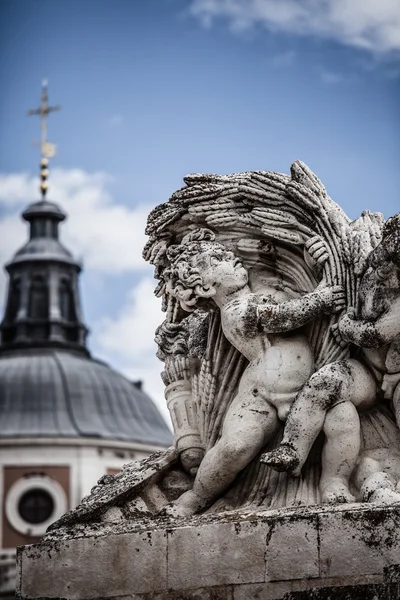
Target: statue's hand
x=333 y=298
x=337 y=335
x=191 y=459
x=315 y=252
x=389 y=384
x=343 y=330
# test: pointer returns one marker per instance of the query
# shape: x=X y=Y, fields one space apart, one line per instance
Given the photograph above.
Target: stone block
x=270 y=556
x=359 y=541
x=113 y=565
x=292 y=551
x=217 y=554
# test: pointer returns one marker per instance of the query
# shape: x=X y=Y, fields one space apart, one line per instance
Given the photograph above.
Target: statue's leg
x=325 y=388
x=343 y=437
x=340 y=452
x=249 y=423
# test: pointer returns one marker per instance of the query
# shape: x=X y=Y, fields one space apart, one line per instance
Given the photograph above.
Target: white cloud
x=129 y=338
x=15 y=188
x=136 y=322
x=108 y=236
x=370 y=24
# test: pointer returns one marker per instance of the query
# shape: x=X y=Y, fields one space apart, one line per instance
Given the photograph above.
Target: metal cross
x=47 y=148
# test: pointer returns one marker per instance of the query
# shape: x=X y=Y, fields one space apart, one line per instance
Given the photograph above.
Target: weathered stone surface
x=217 y=554
x=293 y=549
x=352 y=542
x=95 y=567
x=120 y=489
x=220 y=557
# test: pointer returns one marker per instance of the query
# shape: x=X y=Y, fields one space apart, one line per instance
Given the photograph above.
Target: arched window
x=66 y=300
x=14 y=299
x=38 y=298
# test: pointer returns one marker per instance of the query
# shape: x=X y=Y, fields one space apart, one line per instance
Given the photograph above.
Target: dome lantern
x=43 y=305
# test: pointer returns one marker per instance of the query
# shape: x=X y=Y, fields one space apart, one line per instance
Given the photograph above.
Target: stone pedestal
x=348 y=551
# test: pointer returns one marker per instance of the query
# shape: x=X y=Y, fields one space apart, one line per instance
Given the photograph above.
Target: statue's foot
x=380 y=487
x=283 y=458
x=336 y=491
x=384 y=496
x=185 y=506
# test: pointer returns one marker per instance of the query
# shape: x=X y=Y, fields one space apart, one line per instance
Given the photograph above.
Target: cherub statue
x=266 y=329
x=350 y=385
x=378 y=323
x=266 y=352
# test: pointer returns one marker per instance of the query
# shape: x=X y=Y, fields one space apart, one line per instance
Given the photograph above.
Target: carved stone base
x=344 y=552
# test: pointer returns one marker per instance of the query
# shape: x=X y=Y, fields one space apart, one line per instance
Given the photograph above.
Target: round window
x=36 y=506
x=33 y=503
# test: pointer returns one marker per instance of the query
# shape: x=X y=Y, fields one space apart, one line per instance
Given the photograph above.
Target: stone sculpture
x=281 y=352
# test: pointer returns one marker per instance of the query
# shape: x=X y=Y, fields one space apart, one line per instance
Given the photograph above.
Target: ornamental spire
x=48 y=149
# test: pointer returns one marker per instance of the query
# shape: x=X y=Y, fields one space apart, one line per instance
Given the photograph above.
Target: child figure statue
x=352 y=382
x=377 y=328
x=266 y=329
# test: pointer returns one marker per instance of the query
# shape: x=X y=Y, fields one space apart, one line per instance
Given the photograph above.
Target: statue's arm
x=292 y=314
x=371 y=334
x=360 y=333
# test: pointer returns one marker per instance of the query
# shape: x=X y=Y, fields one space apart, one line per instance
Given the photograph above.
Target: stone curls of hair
x=183 y=279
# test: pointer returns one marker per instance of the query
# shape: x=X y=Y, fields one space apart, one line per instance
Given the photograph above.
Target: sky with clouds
x=151 y=91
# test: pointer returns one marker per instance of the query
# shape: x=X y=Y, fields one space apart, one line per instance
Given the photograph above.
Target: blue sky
x=151 y=91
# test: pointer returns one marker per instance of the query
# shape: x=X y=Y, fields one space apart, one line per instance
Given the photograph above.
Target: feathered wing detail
x=268 y=219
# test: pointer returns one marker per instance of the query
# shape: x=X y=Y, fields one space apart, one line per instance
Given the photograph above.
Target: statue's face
x=221 y=269
x=378 y=287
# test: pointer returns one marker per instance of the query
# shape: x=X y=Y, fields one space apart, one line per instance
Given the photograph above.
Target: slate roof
x=43 y=208
x=43 y=249
x=59 y=393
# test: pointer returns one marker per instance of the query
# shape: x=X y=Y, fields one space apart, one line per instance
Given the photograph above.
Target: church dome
x=64 y=394
x=50 y=386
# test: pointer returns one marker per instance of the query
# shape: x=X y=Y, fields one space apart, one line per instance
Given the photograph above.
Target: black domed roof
x=58 y=393
x=43 y=208
x=43 y=249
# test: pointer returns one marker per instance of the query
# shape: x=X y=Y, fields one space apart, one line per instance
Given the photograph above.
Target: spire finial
x=48 y=150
